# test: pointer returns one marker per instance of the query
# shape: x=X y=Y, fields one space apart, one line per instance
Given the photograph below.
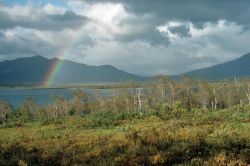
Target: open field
x=174 y=137
x=191 y=122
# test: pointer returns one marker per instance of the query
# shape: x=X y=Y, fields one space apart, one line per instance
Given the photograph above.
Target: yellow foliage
x=157 y=159
x=22 y=163
x=151 y=140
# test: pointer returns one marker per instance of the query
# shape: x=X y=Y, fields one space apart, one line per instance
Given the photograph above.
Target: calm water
x=44 y=96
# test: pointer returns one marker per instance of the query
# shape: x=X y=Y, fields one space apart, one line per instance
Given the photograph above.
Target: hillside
x=34 y=70
x=238 y=68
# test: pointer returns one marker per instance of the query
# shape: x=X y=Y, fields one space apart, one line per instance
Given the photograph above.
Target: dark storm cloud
x=1 y=35
x=182 y=31
x=144 y=32
x=22 y=45
x=43 y=22
x=154 y=36
x=195 y=11
x=5 y=20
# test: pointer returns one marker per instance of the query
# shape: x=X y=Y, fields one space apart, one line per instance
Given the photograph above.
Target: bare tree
x=80 y=102
x=204 y=94
x=139 y=97
x=5 y=109
x=246 y=90
x=29 y=109
x=188 y=86
x=217 y=91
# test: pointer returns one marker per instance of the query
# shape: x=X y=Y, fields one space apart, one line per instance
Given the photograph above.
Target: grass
x=198 y=137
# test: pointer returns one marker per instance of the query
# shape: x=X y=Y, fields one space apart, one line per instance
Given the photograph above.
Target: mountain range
x=34 y=70
x=236 y=68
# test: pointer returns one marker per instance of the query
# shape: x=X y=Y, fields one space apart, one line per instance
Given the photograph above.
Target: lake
x=44 y=96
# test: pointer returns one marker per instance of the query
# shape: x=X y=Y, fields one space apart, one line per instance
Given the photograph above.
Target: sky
x=143 y=37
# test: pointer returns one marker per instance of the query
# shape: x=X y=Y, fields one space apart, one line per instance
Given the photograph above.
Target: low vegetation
x=161 y=123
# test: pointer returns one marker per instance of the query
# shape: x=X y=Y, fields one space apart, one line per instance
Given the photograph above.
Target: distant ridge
x=239 y=68
x=34 y=69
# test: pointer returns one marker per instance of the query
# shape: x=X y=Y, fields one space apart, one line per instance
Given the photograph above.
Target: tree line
x=160 y=94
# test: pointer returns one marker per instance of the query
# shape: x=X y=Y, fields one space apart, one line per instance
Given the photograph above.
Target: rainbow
x=61 y=55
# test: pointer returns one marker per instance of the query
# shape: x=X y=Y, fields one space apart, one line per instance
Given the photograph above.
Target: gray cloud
x=145 y=33
x=194 y=34
x=195 y=11
x=22 y=44
x=42 y=21
x=182 y=30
